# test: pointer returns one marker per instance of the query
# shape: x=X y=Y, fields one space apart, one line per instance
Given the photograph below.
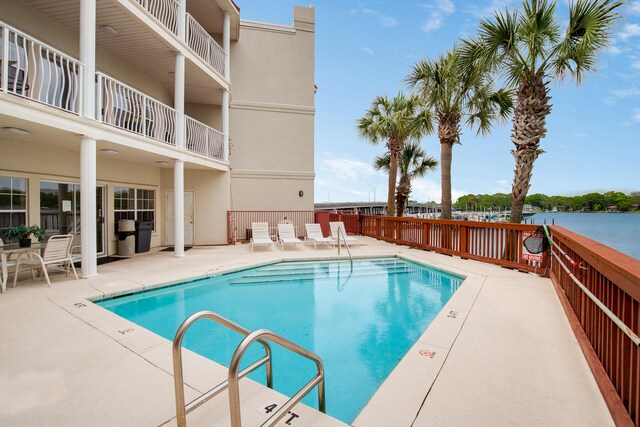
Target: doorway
x=60 y=212
x=188 y=218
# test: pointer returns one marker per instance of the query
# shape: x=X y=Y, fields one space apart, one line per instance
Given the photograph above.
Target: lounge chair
x=287 y=236
x=314 y=234
x=260 y=235
x=57 y=254
x=334 y=226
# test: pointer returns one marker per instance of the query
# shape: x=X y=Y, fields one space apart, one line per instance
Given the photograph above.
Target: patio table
x=8 y=250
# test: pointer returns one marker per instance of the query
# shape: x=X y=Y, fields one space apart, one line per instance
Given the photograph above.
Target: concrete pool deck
x=501 y=352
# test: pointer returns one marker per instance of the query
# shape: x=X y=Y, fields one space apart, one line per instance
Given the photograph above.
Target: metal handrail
x=183 y=409
x=234 y=387
x=615 y=319
x=346 y=244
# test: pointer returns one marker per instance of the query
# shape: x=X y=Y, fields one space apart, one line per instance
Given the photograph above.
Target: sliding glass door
x=60 y=211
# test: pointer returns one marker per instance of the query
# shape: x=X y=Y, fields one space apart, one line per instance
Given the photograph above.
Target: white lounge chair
x=287 y=236
x=314 y=234
x=334 y=226
x=57 y=254
x=260 y=235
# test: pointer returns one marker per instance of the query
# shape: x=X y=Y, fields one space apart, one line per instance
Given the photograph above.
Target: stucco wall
x=272 y=114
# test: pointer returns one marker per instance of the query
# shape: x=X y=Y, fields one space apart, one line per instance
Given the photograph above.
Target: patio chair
x=260 y=235
x=287 y=236
x=57 y=255
x=334 y=226
x=314 y=234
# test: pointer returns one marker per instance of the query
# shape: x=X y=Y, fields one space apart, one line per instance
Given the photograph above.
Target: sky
x=366 y=48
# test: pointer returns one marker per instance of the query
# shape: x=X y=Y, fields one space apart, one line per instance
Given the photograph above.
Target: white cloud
x=625 y=93
x=367 y=50
x=433 y=23
x=428 y=190
x=383 y=20
x=629 y=30
x=438 y=11
x=634 y=7
x=347 y=169
x=636 y=115
x=613 y=50
x=483 y=12
x=387 y=21
x=576 y=134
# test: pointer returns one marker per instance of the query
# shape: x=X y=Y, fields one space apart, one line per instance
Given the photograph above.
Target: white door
x=188 y=218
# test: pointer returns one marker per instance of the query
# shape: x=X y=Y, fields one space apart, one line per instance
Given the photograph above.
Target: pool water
x=360 y=321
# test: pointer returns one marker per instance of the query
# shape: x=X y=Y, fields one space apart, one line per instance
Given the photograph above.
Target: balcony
x=198 y=39
x=126 y=108
x=36 y=71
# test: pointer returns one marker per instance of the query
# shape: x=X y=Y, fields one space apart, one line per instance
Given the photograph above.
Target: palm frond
x=382 y=162
x=589 y=31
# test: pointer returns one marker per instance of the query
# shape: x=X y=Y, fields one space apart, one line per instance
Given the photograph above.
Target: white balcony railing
x=203 y=45
x=165 y=11
x=124 y=107
x=205 y=140
x=197 y=38
x=32 y=69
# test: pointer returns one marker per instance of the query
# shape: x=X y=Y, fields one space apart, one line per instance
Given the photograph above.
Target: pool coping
x=400 y=397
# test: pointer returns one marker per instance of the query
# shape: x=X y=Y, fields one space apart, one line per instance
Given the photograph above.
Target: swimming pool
x=361 y=321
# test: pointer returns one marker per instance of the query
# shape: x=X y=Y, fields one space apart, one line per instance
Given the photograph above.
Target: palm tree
x=531 y=51
x=396 y=121
x=414 y=163
x=455 y=93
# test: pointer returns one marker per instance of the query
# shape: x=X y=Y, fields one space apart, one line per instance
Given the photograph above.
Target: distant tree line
x=591 y=202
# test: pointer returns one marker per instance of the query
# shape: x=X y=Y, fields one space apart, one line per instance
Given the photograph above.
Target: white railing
x=205 y=140
x=124 y=107
x=32 y=69
x=203 y=45
x=165 y=11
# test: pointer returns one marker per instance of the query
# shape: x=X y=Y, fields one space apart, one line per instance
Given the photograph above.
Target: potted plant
x=24 y=233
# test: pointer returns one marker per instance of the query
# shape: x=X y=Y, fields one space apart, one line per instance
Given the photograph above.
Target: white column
x=178 y=203
x=88 y=206
x=178 y=172
x=226 y=44
x=88 y=56
x=225 y=123
x=182 y=19
x=88 y=255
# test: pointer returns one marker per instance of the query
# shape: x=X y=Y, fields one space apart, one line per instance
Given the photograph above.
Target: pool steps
x=296 y=273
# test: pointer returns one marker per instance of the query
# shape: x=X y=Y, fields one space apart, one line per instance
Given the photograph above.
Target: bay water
x=620 y=231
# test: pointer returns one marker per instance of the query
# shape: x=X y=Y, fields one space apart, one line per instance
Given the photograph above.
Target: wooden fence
x=613 y=279
x=495 y=243
x=239 y=222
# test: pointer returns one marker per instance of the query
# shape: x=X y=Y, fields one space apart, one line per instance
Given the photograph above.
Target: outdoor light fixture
x=162 y=163
x=110 y=151
x=16 y=131
x=108 y=30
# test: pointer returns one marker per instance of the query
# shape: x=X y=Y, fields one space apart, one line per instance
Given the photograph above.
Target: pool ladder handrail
x=346 y=244
x=235 y=375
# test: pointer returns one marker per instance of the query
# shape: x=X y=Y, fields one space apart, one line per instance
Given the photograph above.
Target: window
x=134 y=203
x=13 y=203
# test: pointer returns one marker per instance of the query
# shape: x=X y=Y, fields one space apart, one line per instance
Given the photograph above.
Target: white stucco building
x=172 y=111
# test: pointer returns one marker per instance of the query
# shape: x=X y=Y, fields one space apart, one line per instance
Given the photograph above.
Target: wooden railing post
x=464 y=241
